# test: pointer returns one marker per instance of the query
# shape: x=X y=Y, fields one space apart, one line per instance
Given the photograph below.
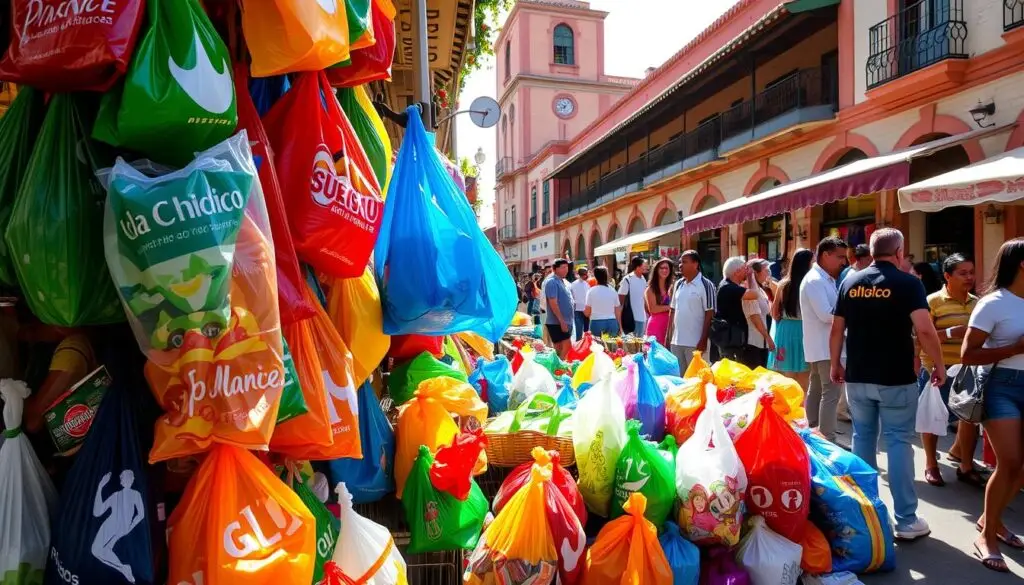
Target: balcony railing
x=533 y=222
x=1013 y=14
x=806 y=88
x=507 y=233
x=920 y=35
x=545 y=218
x=504 y=165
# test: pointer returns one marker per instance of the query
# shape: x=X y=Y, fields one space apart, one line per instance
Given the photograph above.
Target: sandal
x=993 y=562
x=1006 y=537
x=972 y=477
x=934 y=477
x=953 y=458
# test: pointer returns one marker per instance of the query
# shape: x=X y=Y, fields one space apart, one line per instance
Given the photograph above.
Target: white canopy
x=999 y=179
x=623 y=244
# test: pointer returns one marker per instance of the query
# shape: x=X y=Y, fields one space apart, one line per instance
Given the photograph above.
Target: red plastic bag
x=581 y=349
x=778 y=472
x=291 y=284
x=560 y=478
x=71 y=46
x=566 y=530
x=452 y=470
x=406 y=347
x=334 y=202
x=372 y=63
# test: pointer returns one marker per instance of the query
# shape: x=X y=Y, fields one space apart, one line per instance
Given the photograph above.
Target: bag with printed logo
x=373 y=62
x=354 y=307
x=177 y=97
x=191 y=256
x=367 y=553
x=287 y=37
x=19 y=127
x=371 y=477
x=437 y=520
x=238 y=522
x=106 y=499
x=333 y=198
x=643 y=468
x=292 y=402
x=597 y=440
x=356 y=103
x=327 y=525
x=70 y=46
x=627 y=551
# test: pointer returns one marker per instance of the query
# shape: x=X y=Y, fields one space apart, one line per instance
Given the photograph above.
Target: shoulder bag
x=967 y=393
x=628 y=319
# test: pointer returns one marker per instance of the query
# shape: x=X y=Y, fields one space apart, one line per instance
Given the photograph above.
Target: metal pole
x=421 y=60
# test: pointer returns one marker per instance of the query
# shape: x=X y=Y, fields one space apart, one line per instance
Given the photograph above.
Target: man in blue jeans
x=877 y=311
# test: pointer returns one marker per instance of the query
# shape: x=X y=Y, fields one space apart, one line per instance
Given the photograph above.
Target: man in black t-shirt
x=878 y=310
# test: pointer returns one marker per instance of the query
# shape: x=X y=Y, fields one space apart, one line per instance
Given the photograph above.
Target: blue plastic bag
x=370 y=478
x=660 y=360
x=650 y=404
x=494 y=380
x=846 y=506
x=266 y=91
x=102 y=532
x=566 y=397
x=448 y=278
x=667 y=383
x=683 y=556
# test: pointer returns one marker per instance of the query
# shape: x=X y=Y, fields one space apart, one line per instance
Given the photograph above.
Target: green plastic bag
x=552 y=363
x=405 y=378
x=178 y=96
x=292 y=402
x=366 y=132
x=55 y=232
x=18 y=130
x=437 y=520
x=327 y=527
x=642 y=467
x=358 y=14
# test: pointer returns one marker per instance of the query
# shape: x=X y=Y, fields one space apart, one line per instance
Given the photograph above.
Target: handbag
x=727 y=335
x=967 y=393
x=628 y=319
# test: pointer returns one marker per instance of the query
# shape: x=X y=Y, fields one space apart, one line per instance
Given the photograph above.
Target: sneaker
x=918 y=529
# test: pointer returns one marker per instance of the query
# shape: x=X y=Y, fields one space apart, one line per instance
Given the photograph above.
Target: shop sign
x=669 y=251
x=541 y=247
x=969 y=193
x=440 y=35
x=512 y=254
x=641 y=247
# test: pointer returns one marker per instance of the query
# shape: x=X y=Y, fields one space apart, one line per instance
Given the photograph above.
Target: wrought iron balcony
x=507 y=233
x=1013 y=14
x=533 y=222
x=922 y=34
x=504 y=165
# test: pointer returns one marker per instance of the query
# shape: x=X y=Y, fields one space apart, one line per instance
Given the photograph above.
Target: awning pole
x=421 y=61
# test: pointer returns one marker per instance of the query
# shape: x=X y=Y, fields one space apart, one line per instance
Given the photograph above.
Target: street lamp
x=479 y=157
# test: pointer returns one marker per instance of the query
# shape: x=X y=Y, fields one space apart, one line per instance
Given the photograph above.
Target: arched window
x=581 y=249
x=508 y=59
x=636 y=226
x=564 y=45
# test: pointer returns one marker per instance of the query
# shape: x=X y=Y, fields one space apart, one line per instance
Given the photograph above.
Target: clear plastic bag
x=531 y=378
x=366 y=552
x=932 y=414
x=598 y=439
x=770 y=559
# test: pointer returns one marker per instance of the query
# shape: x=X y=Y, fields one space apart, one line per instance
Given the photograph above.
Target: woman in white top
x=757 y=308
x=995 y=335
x=603 y=307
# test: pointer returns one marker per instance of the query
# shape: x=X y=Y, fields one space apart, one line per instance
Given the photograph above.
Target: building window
x=564 y=45
x=533 y=208
x=508 y=60
x=546 y=212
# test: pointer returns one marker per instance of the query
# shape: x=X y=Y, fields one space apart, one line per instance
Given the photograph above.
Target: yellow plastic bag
x=627 y=551
x=683 y=406
x=354 y=307
x=595 y=366
x=457 y=397
x=481 y=346
x=285 y=36
x=789 y=396
x=421 y=421
x=730 y=374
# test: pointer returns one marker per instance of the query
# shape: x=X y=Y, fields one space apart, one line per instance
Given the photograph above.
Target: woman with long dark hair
x=995 y=339
x=929 y=278
x=787 y=325
x=658 y=297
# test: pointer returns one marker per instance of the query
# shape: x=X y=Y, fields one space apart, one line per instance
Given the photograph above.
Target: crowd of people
x=864 y=331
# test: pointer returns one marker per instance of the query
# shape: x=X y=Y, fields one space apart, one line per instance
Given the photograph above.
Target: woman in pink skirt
x=658 y=297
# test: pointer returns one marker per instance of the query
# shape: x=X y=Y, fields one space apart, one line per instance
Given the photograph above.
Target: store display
x=365 y=552
x=19 y=128
x=289 y=37
x=627 y=550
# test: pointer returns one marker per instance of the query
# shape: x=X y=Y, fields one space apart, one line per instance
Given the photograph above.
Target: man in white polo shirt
x=690 y=311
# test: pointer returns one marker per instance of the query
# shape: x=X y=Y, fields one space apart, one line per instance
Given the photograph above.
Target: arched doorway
x=581 y=249
x=937 y=235
x=566 y=249
x=614 y=233
x=709 y=244
x=851 y=219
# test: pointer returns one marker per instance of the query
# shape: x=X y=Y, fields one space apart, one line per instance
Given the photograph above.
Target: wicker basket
x=512 y=449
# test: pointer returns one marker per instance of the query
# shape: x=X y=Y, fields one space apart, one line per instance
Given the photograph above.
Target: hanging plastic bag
x=531 y=379
x=287 y=37
x=641 y=468
x=493 y=380
x=371 y=63
x=406 y=347
x=378 y=152
x=597 y=365
x=327 y=525
x=454 y=465
x=770 y=559
x=683 y=556
x=711 y=482
x=627 y=551
x=248 y=524
x=354 y=306
x=932 y=414
x=650 y=403
x=57 y=48
x=405 y=378
x=718 y=567
x=421 y=421
x=360 y=27
x=366 y=551
x=561 y=479
x=660 y=360
x=778 y=473
x=177 y=97
x=29 y=497
x=581 y=348
x=437 y=520
x=267 y=91
x=598 y=439
x=19 y=127
x=817 y=556
x=439 y=275
x=683 y=407
x=59 y=260
x=370 y=477
x=846 y=506
x=334 y=202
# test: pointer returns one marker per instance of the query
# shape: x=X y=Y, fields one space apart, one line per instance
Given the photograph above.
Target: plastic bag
x=372 y=63
x=683 y=407
x=540 y=414
x=770 y=559
x=733 y=375
x=55 y=233
x=561 y=479
x=838 y=578
x=286 y=37
x=458 y=398
x=597 y=365
x=683 y=556
x=817 y=556
x=739 y=413
x=367 y=124
x=932 y=414
x=371 y=476
x=438 y=273
x=406 y=347
x=480 y=346
x=267 y=91
x=406 y=378
x=421 y=421
x=531 y=379
x=107 y=500
x=846 y=506
x=453 y=467
x=327 y=525
x=699 y=368
x=437 y=520
x=627 y=551
x=711 y=482
x=360 y=27
x=333 y=198
x=28 y=496
x=625 y=382
x=237 y=521
x=641 y=468
x=366 y=551
x=177 y=97
x=778 y=473
x=789 y=396
x=291 y=289
x=354 y=306
x=580 y=349
x=493 y=380
x=57 y=48
x=19 y=127
x=660 y=360
x=598 y=439
x=650 y=403
x=718 y=567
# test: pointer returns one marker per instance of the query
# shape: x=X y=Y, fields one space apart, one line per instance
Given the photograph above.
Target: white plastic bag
x=738 y=413
x=841 y=578
x=531 y=378
x=595 y=366
x=362 y=544
x=768 y=557
x=27 y=496
x=710 y=480
x=932 y=414
x=598 y=437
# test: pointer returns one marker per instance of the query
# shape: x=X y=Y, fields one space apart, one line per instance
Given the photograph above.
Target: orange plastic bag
x=330 y=430
x=627 y=550
x=699 y=368
x=457 y=397
x=817 y=556
x=354 y=307
x=237 y=522
x=286 y=36
x=372 y=63
x=683 y=406
x=421 y=421
x=478 y=344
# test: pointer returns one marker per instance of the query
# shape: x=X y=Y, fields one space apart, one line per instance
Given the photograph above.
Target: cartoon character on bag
x=725 y=507
x=430 y=516
x=697 y=514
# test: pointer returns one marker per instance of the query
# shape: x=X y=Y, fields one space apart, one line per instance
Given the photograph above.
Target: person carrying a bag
x=631 y=296
x=729 y=326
